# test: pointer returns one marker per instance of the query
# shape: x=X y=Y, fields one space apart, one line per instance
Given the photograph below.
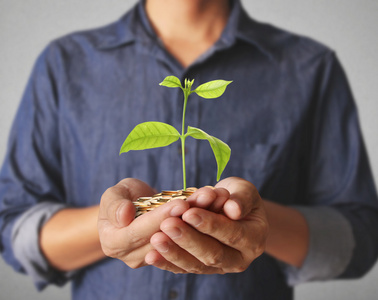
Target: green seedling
x=150 y=135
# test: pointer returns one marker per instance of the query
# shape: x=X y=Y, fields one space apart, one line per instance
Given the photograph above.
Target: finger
x=209 y=198
x=202 y=197
x=155 y=259
x=244 y=197
x=148 y=224
x=222 y=196
x=139 y=232
x=212 y=255
x=136 y=258
x=247 y=236
x=175 y=259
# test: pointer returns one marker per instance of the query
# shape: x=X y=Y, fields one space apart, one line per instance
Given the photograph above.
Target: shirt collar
x=242 y=27
x=257 y=34
x=135 y=26
x=125 y=31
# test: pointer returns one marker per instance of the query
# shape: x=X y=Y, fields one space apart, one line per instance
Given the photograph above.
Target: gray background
x=350 y=27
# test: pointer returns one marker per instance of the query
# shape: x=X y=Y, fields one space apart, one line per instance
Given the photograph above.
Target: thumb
x=116 y=204
x=244 y=197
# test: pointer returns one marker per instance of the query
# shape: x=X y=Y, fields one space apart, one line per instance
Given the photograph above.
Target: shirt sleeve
x=328 y=255
x=341 y=206
x=31 y=173
x=26 y=247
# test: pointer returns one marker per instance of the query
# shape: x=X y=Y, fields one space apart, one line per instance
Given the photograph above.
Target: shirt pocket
x=256 y=162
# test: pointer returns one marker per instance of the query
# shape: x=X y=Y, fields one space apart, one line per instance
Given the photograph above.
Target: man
x=288 y=117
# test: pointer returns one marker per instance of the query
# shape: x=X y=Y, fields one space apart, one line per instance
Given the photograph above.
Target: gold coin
x=180 y=197
x=169 y=193
x=144 y=198
x=146 y=204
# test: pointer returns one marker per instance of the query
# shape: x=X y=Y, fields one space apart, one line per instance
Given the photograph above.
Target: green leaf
x=171 y=81
x=212 y=89
x=150 y=135
x=221 y=150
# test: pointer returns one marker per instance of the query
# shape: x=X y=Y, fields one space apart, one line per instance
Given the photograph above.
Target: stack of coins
x=146 y=204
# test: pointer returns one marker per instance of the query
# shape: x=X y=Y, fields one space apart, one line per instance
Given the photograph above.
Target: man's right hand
x=121 y=235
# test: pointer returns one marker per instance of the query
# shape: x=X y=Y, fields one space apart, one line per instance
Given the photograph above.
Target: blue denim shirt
x=289 y=118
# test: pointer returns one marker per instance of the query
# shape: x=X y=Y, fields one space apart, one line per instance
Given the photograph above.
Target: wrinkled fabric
x=288 y=116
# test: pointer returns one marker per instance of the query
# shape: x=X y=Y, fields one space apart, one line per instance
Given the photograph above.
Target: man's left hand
x=223 y=232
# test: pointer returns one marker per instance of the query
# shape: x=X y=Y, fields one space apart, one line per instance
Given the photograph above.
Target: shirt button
x=179 y=150
x=172 y=294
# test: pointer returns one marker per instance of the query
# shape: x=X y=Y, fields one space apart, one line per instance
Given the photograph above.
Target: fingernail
x=194 y=220
x=162 y=247
x=173 y=232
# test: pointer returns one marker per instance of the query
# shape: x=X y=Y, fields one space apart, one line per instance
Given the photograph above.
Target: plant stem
x=183 y=137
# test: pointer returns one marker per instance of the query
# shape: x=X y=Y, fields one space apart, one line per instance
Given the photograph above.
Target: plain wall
x=348 y=26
